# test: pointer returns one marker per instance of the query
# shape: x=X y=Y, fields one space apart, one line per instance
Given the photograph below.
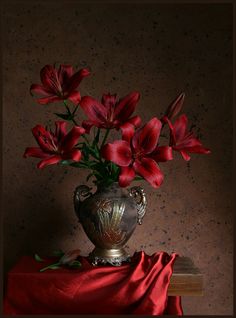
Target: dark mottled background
x=160 y=50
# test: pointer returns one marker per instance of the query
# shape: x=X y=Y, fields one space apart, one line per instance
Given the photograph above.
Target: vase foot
x=114 y=257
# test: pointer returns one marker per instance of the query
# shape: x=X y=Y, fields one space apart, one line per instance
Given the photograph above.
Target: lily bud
x=175 y=107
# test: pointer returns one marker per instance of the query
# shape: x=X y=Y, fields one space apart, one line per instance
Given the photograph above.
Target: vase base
x=114 y=257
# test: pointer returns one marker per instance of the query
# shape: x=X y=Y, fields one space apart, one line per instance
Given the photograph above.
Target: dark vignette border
x=177 y=2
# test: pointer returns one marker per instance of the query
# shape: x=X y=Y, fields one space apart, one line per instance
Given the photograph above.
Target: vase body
x=109 y=217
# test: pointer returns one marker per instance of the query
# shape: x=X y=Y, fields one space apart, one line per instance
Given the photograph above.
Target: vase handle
x=81 y=191
x=140 y=197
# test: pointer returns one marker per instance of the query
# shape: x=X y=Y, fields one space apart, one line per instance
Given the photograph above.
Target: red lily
x=59 y=84
x=111 y=112
x=138 y=153
x=54 y=147
x=182 y=140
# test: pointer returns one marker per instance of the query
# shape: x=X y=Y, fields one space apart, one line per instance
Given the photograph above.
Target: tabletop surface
x=186 y=279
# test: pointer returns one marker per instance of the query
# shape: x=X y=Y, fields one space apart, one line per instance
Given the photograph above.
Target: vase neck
x=102 y=186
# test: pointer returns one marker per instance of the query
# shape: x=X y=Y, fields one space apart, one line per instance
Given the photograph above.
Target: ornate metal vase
x=109 y=217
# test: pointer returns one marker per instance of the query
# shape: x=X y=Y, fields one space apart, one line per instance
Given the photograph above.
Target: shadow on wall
x=37 y=229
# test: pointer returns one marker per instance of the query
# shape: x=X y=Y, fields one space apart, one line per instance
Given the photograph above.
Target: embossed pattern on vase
x=109 y=224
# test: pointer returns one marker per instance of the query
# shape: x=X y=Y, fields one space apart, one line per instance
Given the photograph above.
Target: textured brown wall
x=160 y=50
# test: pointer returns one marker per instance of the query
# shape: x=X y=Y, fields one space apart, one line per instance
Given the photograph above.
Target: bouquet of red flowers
x=135 y=156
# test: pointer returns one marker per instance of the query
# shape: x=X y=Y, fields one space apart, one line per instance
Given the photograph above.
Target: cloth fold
x=139 y=287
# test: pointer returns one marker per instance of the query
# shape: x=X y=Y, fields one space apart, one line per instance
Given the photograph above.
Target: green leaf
x=96 y=139
x=58 y=253
x=98 y=174
x=93 y=152
x=105 y=137
x=65 y=116
x=79 y=144
x=38 y=258
x=114 y=169
x=76 y=107
x=75 y=264
x=67 y=107
x=109 y=182
x=97 y=149
x=54 y=267
x=138 y=178
x=78 y=165
x=85 y=151
x=94 y=164
x=116 y=174
x=65 y=162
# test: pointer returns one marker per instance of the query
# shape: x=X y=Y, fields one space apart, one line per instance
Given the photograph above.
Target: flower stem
x=105 y=137
x=71 y=114
x=76 y=107
x=85 y=138
x=74 y=121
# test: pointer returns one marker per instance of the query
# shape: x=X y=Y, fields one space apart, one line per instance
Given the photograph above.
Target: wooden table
x=186 y=279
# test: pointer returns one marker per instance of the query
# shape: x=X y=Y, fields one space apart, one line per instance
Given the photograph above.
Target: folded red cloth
x=139 y=287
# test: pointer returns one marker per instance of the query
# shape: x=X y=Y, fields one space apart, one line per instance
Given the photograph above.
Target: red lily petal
x=50 y=80
x=175 y=107
x=44 y=138
x=74 y=97
x=64 y=74
x=87 y=125
x=35 y=152
x=126 y=176
x=127 y=130
x=74 y=155
x=180 y=127
x=162 y=154
x=149 y=170
x=71 y=139
x=198 y=149
x=136 y=121
x=118 y=152
x=109 y=100
x=49 y=161
x=77 y=78
x=145 y=139
x=48 y=100
x=95 y=111
x=39 y=89
x=126 y=106
x=60 y=131
x=188 y=143
x=165 y=120
x=185 y=155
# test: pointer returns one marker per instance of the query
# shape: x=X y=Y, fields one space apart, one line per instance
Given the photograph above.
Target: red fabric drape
x=139 y=287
